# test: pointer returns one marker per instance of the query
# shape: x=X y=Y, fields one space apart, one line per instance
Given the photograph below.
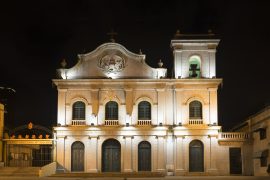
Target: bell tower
x=194 y=55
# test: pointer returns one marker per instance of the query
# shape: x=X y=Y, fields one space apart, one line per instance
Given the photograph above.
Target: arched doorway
x=77 y=156
x=196 y=156
x=111 y=156
x=144 y=156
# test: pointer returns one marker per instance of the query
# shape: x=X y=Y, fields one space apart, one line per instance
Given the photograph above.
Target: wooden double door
x=77 y=156
x=111 y=156
x=235 y=161
x=196 y=153
x=144 y=156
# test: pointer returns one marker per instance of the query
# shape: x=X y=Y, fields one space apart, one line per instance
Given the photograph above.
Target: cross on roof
x=112 y=34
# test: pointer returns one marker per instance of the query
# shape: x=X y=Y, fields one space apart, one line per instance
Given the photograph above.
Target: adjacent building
x=256 y=150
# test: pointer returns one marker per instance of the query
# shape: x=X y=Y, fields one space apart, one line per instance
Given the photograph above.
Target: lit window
x=144 y=110
x=195 y=110
x=111 y=111
x=262 y=133
x=194 y=67
x=78 y=111
x=264 y=157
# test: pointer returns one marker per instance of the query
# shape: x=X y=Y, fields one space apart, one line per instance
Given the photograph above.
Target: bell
x=193 y=69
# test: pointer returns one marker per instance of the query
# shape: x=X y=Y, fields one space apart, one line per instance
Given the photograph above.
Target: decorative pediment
x=111 y=60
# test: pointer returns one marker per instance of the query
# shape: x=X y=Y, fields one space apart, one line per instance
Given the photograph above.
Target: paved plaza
x=165 y=178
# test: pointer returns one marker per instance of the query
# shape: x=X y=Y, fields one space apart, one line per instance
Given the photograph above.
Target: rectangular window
x=263 y=161
x=262 y=133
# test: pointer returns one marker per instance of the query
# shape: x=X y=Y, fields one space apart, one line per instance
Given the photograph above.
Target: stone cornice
x=125 y=84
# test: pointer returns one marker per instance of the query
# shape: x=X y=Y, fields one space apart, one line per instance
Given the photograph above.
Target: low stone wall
x=47 y=170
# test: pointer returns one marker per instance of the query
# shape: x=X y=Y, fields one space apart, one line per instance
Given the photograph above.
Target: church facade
x=118 y=114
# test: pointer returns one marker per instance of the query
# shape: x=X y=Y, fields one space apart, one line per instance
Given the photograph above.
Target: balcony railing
x=195 y=121
x=78 y=122
x=233 y=136
x=111 y=122
x=144 y=122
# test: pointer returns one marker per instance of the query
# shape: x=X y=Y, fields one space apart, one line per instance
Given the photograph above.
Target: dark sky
x=36 y=35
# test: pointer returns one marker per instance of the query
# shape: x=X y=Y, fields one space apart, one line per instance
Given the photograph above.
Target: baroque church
x=118 y=114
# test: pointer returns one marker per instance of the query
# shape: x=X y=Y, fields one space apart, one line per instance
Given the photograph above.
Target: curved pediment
x=111 y=60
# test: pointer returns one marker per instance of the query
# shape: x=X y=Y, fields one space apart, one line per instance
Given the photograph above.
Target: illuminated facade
x=117 y=114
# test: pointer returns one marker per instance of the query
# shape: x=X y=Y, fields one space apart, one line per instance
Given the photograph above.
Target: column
x=61 y=116
x=161 y=104
x=128 y=154
x=180 y=160
x=160 y=152
x=92 y=156
x=212 y=105
x=60 y=152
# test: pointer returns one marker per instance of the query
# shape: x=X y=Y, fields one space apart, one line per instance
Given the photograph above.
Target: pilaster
x=60 y=152
x=160 y=153
x=178 y=106
x=161 y=103
x=212 y=155
x=180 y=159
x=61 y=116
x=92 y=156
x=128 y=154
x=178 y=63
x=95 y=101
x=129 y=101
x=213 y=105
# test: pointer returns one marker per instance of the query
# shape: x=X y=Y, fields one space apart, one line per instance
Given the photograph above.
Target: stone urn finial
x=30 y=125
x=160 y=64
x=177 y=34
x=63 y=63
x=210 y=32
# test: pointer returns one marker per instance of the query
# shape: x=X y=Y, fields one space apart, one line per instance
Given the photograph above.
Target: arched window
x=195 y=110
x=111 y=110
x=195 y=67
x=78 y=111
x=144 y=110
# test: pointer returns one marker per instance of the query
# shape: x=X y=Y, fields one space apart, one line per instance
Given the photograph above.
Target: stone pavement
x=165 y=178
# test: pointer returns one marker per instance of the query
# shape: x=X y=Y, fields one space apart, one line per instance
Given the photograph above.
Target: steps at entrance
x=198 y=174
x=111 y=174
x=19 y=171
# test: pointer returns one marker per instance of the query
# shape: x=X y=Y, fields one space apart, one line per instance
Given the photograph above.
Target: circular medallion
x=112 y=63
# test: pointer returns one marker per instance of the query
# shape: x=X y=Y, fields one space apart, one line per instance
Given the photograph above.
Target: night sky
x=36 y=35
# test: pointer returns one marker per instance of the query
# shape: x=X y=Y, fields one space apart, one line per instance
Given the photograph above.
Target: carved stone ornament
x=30 y=125
x=112 y=63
